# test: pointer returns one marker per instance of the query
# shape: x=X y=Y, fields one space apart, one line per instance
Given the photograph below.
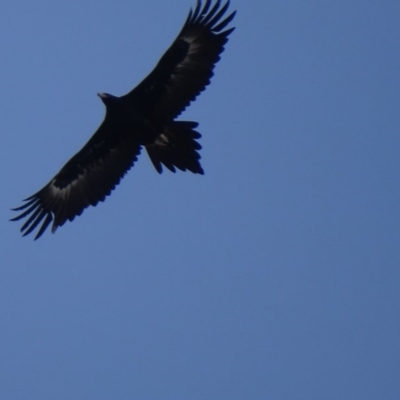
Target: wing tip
x=210 y=17
x=35 y=213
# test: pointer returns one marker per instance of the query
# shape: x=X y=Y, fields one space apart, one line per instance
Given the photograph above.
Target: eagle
x=144 y=117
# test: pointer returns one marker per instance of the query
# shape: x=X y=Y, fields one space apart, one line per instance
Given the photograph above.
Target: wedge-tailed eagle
x=145 y=117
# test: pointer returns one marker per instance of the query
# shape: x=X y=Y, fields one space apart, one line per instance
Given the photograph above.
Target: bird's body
x=144 y=117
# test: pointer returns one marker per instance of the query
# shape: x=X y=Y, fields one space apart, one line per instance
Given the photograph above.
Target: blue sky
x=273 y=276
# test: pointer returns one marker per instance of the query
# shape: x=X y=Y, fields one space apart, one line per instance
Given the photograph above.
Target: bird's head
x=107 y=98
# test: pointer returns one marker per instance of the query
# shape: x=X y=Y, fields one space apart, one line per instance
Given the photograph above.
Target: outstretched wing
x=87 y=178
x=187 y=67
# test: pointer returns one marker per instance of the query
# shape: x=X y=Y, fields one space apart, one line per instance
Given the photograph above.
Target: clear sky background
x=274 y=276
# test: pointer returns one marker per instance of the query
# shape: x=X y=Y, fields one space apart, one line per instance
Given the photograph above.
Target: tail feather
x=176 y=147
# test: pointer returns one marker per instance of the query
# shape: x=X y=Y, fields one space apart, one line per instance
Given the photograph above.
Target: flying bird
x=144 y=117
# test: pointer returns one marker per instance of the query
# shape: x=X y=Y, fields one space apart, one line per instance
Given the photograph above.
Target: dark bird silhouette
x=143 y=117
